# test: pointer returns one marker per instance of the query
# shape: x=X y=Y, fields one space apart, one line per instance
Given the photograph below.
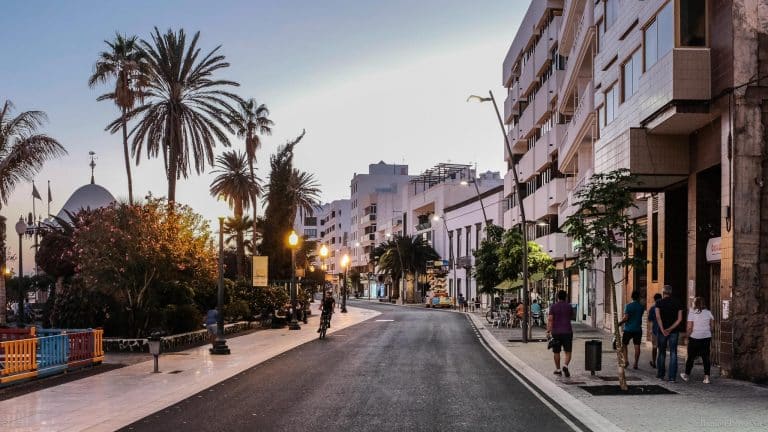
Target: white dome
x=90 y=196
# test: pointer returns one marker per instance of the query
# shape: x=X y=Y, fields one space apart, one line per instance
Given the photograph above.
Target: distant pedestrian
x=462 y=302
x=699 y=330
x=211 y=324
x=559 y=328
x=477 y=303
x=654 y=329
x=669 y=315
x=633 y=327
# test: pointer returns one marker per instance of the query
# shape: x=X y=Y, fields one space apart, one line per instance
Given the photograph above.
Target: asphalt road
x=423 y=371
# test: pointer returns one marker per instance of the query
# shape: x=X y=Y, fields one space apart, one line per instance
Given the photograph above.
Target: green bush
x=238 y=310
x=181 y=318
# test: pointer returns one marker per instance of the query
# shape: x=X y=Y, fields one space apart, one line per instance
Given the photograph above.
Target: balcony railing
x=582 y=117
x=424 y=226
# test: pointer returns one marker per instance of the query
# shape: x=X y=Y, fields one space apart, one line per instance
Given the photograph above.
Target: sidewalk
x=725 y=404
x=114 y=399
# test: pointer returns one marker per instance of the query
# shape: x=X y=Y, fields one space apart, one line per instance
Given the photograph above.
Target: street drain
x=633 y=390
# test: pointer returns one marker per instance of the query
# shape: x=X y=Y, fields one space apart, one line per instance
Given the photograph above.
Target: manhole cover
x=633 y=390
x=175 y=372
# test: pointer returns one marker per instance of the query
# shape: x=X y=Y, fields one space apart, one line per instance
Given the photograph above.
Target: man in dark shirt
x=559 y=328
x=669 y=316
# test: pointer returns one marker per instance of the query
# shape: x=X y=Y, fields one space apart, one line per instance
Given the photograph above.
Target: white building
x=334 y=226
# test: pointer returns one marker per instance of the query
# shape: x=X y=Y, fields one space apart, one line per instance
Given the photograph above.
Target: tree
x=146 y=258
x=238 y=188
x=126 y=64
x=186 y=110
x=487 y=260
x=403 y=255
x=250 y=121
x=511 y=256
x=605 y=230
x=23 y=151
x=281 y=210
x=304 y=193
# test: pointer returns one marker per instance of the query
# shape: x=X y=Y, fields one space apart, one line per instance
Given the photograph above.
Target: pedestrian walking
x=462 y=302
x=559 y=328
x=211 y=323
x=654 y=330
x=633 y=327
x=699 y=330
x=669 y=315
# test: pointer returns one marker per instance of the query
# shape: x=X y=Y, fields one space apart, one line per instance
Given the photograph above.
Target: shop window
x=693 y=23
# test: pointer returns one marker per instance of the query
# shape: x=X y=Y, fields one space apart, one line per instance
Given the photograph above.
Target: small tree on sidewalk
x=605 y=230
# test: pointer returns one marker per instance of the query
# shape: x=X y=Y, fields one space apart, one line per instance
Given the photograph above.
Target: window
x=630 y=76
x=600 y=36
x=611 y=13
x=311 y=233
x=611 y=105
x=693 y=23
x=468 y=235
x=658 y=38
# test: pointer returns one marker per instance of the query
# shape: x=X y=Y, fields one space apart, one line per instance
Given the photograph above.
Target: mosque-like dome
x=90 y=196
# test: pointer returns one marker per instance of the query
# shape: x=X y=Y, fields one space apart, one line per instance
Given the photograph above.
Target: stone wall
x=171 y=343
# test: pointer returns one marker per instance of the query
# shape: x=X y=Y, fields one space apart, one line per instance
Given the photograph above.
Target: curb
x=569 y=404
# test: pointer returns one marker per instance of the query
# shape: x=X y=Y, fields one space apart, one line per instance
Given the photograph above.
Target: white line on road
x=384 y=320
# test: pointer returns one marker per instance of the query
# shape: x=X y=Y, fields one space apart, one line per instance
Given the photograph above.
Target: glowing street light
x=345 y=266
x=293 y=242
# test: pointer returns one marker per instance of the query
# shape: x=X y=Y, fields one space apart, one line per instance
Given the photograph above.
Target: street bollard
x=155 y=341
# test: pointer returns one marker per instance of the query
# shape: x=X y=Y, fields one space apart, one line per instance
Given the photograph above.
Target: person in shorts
x=559 y=328
x=654 y=330
x=633 y=328
x=211 y=321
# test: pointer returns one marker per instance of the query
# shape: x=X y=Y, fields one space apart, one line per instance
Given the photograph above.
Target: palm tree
x=187 y=108
x=237 y=187
x=403 y=255
x=23 y=152
x=304 y=193
x=125 y=62
x=250 y=121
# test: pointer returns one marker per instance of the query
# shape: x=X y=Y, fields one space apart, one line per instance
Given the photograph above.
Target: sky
x=368 y=80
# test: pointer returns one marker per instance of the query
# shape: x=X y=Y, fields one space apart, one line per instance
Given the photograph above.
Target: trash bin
x=593 y=357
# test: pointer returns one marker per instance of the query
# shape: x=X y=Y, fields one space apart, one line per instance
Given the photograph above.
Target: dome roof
x=90 y=196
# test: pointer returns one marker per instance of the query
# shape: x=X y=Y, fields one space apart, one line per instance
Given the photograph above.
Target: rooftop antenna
x=92 y=154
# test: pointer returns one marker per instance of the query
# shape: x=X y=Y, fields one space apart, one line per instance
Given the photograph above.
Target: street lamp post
x=293 y=241
x=525 y=324
x=220 y=344
x=479 y=198
x=21 y=228
x=345 y=264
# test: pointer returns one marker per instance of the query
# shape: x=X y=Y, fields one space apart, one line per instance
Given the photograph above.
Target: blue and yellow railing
x=27 y=353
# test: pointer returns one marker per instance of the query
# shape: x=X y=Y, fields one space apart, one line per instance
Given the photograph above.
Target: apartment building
x=674 y=91
x=334 y=226
x=426 y=202
x=374 y=201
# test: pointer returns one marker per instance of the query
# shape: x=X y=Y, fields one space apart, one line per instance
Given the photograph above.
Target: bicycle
x=325 y=322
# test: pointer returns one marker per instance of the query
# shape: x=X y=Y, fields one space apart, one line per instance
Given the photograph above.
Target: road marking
x=565 y=402
x=384 y=320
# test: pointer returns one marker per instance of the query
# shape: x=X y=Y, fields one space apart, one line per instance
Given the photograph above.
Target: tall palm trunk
x=240 y=241
x=255 y=209
x=3 y=266
x=2 y=296
x=127 y=158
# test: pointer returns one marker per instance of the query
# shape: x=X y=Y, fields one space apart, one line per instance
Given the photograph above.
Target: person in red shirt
x=559 y=328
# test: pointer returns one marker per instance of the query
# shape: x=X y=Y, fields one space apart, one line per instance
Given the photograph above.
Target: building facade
x=674 y=91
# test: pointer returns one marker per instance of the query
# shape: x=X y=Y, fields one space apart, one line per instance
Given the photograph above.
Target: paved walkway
x=725 y=404
x=114 y=399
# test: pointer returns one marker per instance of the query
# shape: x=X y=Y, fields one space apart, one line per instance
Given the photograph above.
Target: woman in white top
x=700 y=325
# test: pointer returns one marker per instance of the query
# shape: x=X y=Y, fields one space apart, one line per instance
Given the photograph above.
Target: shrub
x=181 y=318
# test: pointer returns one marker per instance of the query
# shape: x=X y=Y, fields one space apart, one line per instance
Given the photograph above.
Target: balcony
x=526 y=124
x=681 y=75
x=527 y=76
x=464 y=261
x=424 y=226
x=579 y=56
x=541 y=104
x=555 y=245
x=579 y=129
x=572 y=11
x=511 y=103
x=569 y=205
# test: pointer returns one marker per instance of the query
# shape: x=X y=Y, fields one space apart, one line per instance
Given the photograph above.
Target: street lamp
x=293 y=241
x=490 y=98
x=220 y=344
x=21 y=229
x=345 y=265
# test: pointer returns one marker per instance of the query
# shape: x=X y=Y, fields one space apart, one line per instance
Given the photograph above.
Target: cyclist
x=327 y=309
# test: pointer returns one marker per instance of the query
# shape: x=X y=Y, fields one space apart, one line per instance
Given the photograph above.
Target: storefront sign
x=260 y=271
x=713 y=250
